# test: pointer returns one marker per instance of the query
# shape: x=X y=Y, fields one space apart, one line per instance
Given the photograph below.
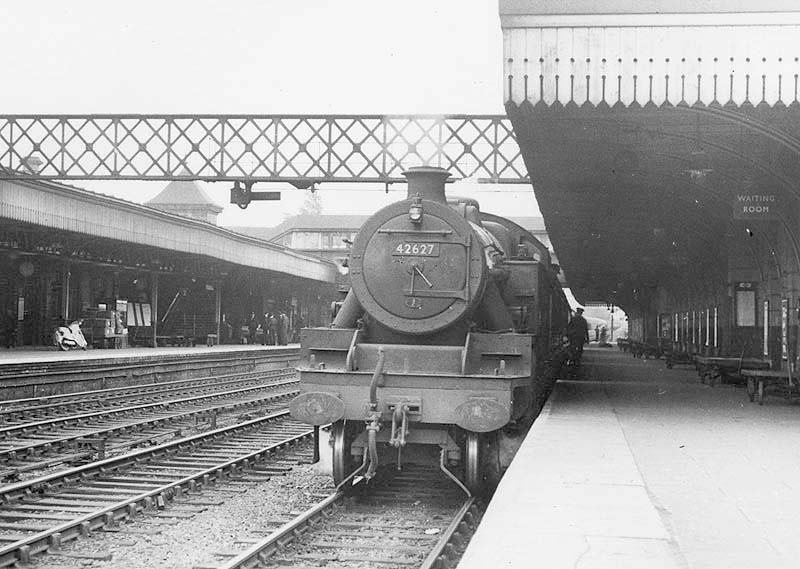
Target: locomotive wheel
x=343 y=435
x=473 y=477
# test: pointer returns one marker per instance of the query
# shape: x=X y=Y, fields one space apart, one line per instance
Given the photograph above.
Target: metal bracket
x=242 y=196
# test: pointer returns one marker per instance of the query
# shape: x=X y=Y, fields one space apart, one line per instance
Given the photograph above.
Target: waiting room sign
x=755 y=206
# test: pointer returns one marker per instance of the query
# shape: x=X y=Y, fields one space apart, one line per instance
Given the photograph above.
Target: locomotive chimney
x=427 y=182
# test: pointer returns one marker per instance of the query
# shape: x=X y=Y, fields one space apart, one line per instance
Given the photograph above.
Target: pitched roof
x=184 y=192
x=106 y=217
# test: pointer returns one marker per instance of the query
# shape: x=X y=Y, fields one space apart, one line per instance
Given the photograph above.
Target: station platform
x=639 y=466
x=39 y=372
x=40 y=354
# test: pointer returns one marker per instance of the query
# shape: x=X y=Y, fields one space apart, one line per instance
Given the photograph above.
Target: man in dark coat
x=252 y=326
x=578 y=332
x=283 y=329
x=272 y=328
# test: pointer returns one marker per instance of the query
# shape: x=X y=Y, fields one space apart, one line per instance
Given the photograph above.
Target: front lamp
x=415 y=210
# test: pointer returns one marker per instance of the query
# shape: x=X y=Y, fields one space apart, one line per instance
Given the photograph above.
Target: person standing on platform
x=226 y=330
x=244 y=331
x=272 y=328
x=252 y=326
x=299 y=324
x=578 y=332
x=283 y=328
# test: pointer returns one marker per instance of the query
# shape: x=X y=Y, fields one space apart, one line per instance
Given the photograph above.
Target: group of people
x=271 y=330
x=567 y=357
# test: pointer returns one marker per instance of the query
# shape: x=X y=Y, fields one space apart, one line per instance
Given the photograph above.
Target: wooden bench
x=641 y=349
x=759 y=380
x=173 y=340
x=673 y=358
x=713 y=369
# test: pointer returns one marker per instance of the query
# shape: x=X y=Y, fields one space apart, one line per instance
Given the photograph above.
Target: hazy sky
x=260 y=57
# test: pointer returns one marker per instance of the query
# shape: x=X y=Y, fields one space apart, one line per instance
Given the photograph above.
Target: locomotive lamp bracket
x=415 y=210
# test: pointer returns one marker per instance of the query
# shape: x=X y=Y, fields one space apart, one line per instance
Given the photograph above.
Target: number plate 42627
x=417 y=249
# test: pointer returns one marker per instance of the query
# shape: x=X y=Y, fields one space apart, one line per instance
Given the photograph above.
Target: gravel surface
x=250 y=512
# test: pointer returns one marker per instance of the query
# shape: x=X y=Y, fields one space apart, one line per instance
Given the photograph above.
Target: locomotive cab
x=427 y=354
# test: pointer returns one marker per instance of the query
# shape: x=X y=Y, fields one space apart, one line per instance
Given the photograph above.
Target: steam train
x=437 y=352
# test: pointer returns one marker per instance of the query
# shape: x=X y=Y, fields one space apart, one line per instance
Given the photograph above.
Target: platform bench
x=674 y=358
x=759 y=380
x=641 y=349
x=176 y=340
x=713 y=369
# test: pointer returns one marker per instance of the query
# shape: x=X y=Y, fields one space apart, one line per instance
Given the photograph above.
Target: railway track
x=34 y=380
x=67 y=439
x=41 y=514
x=417 y=518
x=22 y=411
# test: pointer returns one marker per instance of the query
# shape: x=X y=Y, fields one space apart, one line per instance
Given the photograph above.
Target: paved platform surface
x=53 y=354
x=641 y=467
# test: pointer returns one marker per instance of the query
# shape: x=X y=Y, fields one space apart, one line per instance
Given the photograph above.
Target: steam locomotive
x=436 y=353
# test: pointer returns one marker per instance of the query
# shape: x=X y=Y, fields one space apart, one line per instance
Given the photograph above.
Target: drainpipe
x=218 y=310
x=154 y=314
x=67 y=275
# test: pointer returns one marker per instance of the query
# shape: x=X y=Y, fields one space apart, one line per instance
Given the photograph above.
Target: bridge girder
x=300 y=149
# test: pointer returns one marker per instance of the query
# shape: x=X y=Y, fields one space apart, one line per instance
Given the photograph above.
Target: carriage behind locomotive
x=437 y=351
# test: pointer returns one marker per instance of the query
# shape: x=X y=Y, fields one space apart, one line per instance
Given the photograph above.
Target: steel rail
x=22 y=550
x=105 y=397
x=25 y=403
x=91 y=438
x=445 y=548
x=13 y=453
x=452 y=538
x=257 y=554
x=13 y=491
x=41 y=425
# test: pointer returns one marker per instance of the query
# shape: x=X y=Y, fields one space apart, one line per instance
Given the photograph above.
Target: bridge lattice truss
x=340 y=148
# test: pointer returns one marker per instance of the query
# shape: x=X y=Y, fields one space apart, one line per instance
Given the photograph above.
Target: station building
x=146 y=275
